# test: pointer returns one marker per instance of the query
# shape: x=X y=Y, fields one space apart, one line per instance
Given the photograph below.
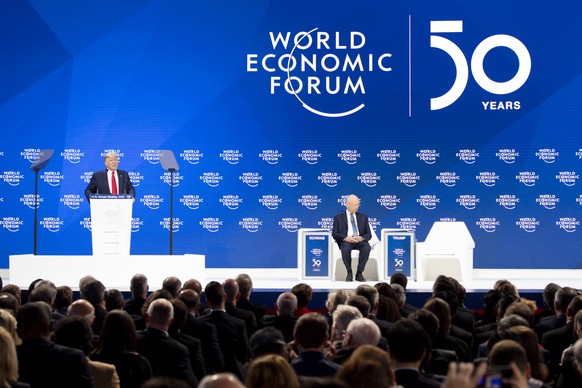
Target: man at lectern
x=111 y=180
x=351 y=230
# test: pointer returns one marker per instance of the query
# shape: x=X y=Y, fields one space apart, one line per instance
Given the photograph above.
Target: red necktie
x=113 y=183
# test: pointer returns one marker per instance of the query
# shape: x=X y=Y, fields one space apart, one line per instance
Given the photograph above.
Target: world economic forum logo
x=448 y=178
x=428 y=201
x=528 y=224
x=271 y=156
x=212 y=179
x=53 y=178
x=568 y=178
x=488 y=224
x=408 y=178
x=176 y=223
x=135 y=178
x=527 y=178
x=310 y=202
x=192 y=156
x=86 y=223
x=152 y=201
x=211 y=224
x=231 y=156
x=428 y=156
x=231 y=201
x=136 y=224
x=86 y=176
x=349 y=156
x=325 y=223
x=507 y=155
x=172 y=179
x=290 y=224
x=311 y=64
x=52 y=224
x=291 y=179
x=568 y=224
x=408 y=223
x=468 y=201
x=508 y=201
x=548 y=155
x=549 y=201
x=309 y=156
x=72 y=155
x=11 y=224
x=330 y=179
x=388 y=156
x=28 y=200
x=270 y=201
x=13 y=178
x=250 y=224
x=488 y=178
x=150 y=156
x=388 y=201
x=369 y=179
x=191 y=201
x=251 y=179
x=467 y=155
x=30 y=154
x=72 y=201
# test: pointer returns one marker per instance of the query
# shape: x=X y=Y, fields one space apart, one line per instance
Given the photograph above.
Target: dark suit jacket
x=258 y=309
x=340 y=227
x=206 y=333
x=42 y=363
x=100 y=185
x=413 y=379
x=247 y=316
x=195 y=348
x=556 y=341
x=133 y=306
x=167 y=356
x=549 y=323
x=314 y=364
x=285 y=323
x=232 y=338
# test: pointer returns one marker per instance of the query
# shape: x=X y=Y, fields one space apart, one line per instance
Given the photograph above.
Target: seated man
x=351 y=230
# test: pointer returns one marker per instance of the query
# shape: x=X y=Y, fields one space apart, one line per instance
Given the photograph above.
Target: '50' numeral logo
x=486 y=83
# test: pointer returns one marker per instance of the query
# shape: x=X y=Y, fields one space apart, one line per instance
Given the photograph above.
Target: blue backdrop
x=466 y=111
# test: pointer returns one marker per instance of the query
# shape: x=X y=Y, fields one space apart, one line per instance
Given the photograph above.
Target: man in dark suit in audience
x=562 y=299
x=245 y=287
x=111 y=180
x=139 y=289
x=43 y=363
x=232 y=332
x=232 y=294
x=407 y=344
x=94 y=293
x=204 y=331
x=311 y=337
x=193 y=344
x=284 y=320
x=400 y=279
x=167 y=356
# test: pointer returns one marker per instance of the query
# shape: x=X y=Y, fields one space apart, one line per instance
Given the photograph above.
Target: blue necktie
x=354 y=225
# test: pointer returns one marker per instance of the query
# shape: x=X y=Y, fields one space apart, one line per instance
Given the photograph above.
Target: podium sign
x=111 y=224
x=314 y=253
x=398 y=251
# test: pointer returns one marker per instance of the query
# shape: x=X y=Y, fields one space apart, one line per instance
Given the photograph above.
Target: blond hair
x=8 y=359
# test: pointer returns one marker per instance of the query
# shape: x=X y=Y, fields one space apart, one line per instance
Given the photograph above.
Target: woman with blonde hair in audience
x=8 y=361
x=8 y=322
x=272 y=371
x=369 y=366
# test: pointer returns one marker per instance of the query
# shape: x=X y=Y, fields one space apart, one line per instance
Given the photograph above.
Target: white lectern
x=111 y=224
x=447 y=250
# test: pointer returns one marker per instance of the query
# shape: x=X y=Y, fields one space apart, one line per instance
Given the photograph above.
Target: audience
x=235 y=341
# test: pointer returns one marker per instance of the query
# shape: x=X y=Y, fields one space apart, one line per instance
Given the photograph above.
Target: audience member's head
x=173 y=285
x=139 y=286
x=114 y=300
x=273 y=371
x=180 y=312
x=521 y=309
x=440 y=308
x=360 y=303
x=64 y=298
x=528 y=339
x=504 y=302
x=563 y=298
x=578 y=355
x=286 y=303
x=160 y=314
x=215 y=295
x=267 y=340
x=231 y=289
x=371 y=295
x=82 y=308
x=490 y=300
x=407 y=343
x=311 y=332
x=118 y=334
x=428 y=321
x=8 y=322
x=336 y=298
x=399 y=278
x=157 y=294
x=245 y=285
x=191 y=299
x=342 y=317
x=43 y=293
x=507 y=288
x=13 y=289
x=400 y=293
x=304 y=293
x=94 y=292
x=385 y=289
x=550 y=295
x=9 y=302
x=74 y=332
x=83 y=282
x=387 y=310
x=34 y=320
x=505 y=352
x=219 y=380
x=578 y=324
x=361 y=331
x=369 y=366
x=8 y=359
x=194 y=285
x=574 y=306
